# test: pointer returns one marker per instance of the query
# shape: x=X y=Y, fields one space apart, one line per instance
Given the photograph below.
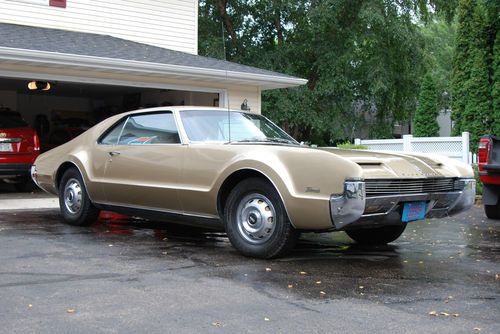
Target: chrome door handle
x=113 y=153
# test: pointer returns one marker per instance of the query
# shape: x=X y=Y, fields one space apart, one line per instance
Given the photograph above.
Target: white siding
x=171 y=24
x=237 y=94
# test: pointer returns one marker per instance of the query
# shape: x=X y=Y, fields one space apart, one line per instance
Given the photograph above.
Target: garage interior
x=69 y=108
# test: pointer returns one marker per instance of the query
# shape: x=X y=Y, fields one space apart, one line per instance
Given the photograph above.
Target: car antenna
x=227 y=90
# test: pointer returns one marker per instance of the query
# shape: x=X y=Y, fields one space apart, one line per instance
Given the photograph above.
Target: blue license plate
x=413 y=211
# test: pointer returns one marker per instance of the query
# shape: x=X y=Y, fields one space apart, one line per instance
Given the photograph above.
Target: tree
x=439 y=39
x=362 y=59
x=495 y=93
x=473 y=69
x=425 y=123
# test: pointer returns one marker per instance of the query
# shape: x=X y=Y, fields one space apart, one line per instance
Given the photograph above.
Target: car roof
x=181 y=108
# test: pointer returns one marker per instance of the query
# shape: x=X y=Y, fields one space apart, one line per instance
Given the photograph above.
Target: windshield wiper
x=282 y=140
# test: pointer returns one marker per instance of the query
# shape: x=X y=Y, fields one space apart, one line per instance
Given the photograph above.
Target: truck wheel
x=256 y=221
x=75 y=204
x=378 y=235
x=492 y=211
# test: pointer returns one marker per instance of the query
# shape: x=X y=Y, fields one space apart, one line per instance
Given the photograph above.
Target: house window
x=58 y=3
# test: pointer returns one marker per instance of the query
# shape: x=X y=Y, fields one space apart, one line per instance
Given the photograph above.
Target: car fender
x=304 y=178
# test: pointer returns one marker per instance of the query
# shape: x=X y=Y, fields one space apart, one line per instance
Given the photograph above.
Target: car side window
x=111 y=138
x=152 y=128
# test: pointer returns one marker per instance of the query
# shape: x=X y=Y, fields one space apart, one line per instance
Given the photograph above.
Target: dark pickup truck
x=489 y=173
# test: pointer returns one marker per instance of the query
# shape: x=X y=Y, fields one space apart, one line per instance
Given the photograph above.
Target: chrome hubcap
x=256 y=218
x=73 y=196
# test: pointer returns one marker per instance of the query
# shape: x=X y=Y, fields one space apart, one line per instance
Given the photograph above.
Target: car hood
x=376 y=164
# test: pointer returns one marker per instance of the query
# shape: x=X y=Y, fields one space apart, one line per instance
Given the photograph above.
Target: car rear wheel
x=75 y=204
x=256 y=221
x=377 y=236
x=492 y=211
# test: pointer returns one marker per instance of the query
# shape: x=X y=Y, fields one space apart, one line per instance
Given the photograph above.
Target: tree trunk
x=228 y=23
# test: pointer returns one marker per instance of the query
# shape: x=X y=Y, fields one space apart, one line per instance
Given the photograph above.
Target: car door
x=144 y=163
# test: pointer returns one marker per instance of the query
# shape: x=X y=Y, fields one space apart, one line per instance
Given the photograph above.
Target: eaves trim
x=114 y=64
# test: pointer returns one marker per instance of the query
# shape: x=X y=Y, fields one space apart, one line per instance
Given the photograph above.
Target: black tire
x=492 y=211
x=377 y=235
x=256 y=221
x=75 y=204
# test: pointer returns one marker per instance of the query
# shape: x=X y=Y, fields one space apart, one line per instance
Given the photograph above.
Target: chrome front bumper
x=352 y=208
x=346 y=208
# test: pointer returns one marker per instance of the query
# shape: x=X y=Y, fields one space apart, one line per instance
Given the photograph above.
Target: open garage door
x=66 y=109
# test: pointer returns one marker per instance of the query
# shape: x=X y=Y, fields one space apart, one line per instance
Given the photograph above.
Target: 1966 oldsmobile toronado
x=239 y=172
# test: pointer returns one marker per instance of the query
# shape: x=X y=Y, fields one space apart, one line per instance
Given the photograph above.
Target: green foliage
x=473 y=68
x=479 y=185
x=363 y=59
x=439 y=39
x=425 y=124
x=495 y=92
x=350 y=146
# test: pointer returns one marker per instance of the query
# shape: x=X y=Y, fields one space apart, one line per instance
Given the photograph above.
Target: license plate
x=413 y=211
x=6 y=147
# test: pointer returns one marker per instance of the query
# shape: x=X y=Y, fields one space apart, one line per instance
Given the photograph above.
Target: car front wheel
x=376 y=236
x=75 y=204
x=256 y=221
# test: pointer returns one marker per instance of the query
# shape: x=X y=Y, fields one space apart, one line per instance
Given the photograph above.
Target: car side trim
x=208 y=221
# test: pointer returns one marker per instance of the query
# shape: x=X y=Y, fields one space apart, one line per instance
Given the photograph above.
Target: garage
x=60 y=110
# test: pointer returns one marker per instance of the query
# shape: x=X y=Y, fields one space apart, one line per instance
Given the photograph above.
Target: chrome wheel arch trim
x=267 y=178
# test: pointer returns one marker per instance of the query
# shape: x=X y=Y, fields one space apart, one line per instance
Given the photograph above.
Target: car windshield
x=11 y=119
x=221 y=126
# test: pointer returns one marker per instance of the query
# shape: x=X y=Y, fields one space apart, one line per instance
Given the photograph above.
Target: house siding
x=171 y=24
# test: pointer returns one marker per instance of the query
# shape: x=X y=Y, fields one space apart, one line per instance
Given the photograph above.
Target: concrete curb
x=29 y=203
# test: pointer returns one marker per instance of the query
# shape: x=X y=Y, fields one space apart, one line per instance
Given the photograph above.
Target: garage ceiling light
x=39 y=85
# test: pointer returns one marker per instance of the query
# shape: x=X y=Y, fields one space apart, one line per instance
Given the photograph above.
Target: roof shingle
x=79 y=43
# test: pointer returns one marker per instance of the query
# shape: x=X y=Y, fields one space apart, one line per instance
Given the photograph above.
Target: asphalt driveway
x=129 y=276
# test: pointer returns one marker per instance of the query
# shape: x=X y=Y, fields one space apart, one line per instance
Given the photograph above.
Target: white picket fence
x=453 y=147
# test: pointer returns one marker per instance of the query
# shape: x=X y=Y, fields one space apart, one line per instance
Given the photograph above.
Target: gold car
x=239 y=172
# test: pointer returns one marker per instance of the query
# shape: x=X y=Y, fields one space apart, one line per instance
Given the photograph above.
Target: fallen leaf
x=477 y=329
x=290 y=286
x=318 y=282
x=268 y=269
x=303 y=273
x=70 y=310
x=217 y=324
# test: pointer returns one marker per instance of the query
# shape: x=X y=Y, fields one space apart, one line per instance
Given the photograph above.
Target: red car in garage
x=19 y=147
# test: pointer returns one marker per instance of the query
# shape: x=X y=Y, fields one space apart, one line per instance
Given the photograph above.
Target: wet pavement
x=128 y=276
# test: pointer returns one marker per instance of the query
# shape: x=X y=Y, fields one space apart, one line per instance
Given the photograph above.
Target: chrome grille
x=380 y=187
